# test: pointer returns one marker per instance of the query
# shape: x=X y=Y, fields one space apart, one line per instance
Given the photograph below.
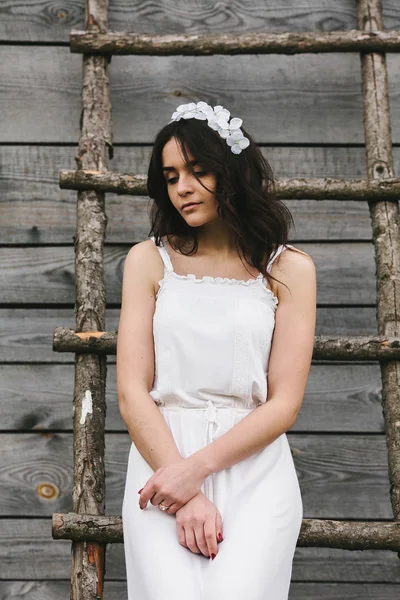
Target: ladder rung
x=116 y=42
x=295 y=189
x=325 y=347
x=348 y=535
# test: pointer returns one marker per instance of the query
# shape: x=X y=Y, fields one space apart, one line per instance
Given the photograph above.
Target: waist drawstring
x=210 y=434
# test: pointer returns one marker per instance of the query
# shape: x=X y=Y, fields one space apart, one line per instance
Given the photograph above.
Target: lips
x=189 y=204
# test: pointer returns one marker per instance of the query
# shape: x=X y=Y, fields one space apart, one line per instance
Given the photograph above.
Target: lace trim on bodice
x=219 y=280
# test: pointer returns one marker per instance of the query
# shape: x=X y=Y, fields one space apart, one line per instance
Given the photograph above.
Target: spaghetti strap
x=164 y=255
x=278 y=251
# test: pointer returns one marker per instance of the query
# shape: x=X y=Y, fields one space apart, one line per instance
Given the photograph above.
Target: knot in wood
x=47 y=491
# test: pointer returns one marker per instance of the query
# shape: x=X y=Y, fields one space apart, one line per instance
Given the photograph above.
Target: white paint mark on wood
x=87 y=406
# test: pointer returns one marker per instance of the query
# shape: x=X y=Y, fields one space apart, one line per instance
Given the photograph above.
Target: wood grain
x=340 y=398
x=341 y=476
x=47 y=21
x=313 y=99
x=45 y=275
x=35 y=211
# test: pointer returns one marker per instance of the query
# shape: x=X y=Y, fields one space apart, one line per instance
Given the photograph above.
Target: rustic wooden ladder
x=88 y=528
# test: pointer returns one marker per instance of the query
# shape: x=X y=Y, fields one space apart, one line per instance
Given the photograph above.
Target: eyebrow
x=192 y=162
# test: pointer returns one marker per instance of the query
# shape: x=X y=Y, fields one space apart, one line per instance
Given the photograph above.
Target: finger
x=219 y=527
x=173 y=508
x=181 y=535
x=162 y=502
x=191 y=540
x=156 y=499
x=200 y=539
x=147 y=493
x=210 y=536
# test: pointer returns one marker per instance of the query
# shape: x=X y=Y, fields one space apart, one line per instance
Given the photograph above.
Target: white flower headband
x=218 y=119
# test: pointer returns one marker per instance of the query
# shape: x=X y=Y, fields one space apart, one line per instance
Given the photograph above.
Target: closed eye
x=175 y=179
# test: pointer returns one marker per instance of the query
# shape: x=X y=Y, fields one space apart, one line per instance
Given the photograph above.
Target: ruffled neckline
x=221 y=280
x=211 y=279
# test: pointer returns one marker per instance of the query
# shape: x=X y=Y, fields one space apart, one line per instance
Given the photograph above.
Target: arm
x=289 y=365
x=135 y=358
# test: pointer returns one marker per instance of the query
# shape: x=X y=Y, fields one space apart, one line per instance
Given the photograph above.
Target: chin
x=195 y=222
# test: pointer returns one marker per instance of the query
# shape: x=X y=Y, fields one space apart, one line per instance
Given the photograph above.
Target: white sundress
x=212 y=340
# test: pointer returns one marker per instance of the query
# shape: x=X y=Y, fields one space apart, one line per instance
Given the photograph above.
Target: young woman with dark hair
x=215 y=341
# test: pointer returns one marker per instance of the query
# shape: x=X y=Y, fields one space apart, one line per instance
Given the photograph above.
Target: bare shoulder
x=144 y=262
x=296 y=270
x=142 y=251
x=294 y=258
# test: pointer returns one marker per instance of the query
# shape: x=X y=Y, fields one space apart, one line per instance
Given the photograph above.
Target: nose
x=184 y=185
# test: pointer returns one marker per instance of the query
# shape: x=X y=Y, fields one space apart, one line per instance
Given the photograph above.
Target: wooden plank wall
x=306 y=112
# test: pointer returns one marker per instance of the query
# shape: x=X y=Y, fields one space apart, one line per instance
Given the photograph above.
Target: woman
x=212 y=505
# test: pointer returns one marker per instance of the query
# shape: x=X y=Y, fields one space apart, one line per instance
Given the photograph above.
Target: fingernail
x=212 y=556
x=140 y=490
x=220 y=538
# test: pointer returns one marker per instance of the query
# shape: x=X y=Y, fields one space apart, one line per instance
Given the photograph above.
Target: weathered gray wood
x=45 y=275
x=116 y=590
x=147 y=91
x=34 y=210
x=27 y=333
x=20 y=539
x=45 y=22
x=342 y=476
x=320 y=533
x=341 y=398
x=385 y=219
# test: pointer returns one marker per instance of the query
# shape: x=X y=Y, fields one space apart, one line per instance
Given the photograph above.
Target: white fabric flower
x=222 y=112
x=181 y=110
x=226 y=129
x=206 y=108
x=237 y=141
x=218 y=123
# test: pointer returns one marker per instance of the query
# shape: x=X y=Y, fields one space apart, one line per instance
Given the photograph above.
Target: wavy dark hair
x=245 y=193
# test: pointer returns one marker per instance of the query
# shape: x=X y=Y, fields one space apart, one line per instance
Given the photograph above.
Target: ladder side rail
x=385 y=231
x=89 y=404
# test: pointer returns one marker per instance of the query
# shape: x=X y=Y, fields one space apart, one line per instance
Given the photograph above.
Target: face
x=183 y=186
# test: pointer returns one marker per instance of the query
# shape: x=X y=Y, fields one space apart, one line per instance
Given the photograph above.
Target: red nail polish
x=220 y=538
x=212 y=556
x=140 y=490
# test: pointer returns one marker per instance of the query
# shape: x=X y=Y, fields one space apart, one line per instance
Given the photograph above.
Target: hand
x=173 y=485
x=199 y=526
